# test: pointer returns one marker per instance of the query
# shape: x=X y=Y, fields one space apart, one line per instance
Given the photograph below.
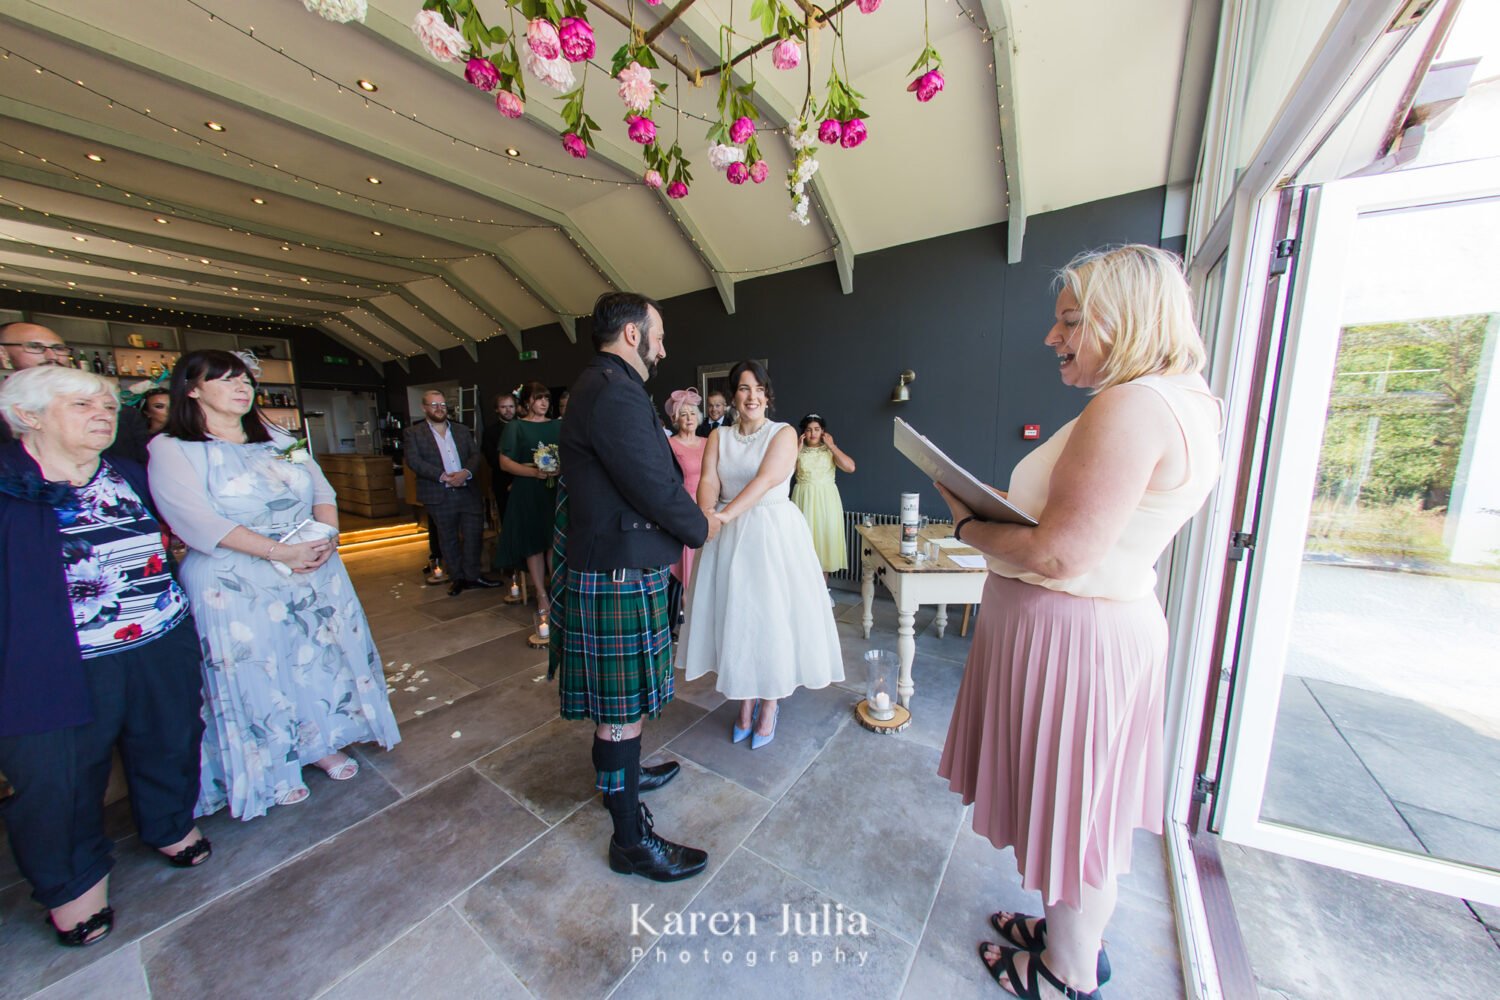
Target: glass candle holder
x=882 y=668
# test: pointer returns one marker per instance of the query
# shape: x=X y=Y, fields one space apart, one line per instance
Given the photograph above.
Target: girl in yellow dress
x=817 y=495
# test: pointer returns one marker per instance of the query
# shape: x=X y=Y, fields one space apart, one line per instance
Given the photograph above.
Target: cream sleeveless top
x=1128 y=571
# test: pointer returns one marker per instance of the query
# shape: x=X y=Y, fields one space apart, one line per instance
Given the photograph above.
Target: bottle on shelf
x=109 y=364
x=98 y=364
x=140 y=365
x=155 y=369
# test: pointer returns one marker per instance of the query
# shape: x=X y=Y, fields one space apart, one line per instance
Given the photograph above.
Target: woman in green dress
x=817 y=495
x=528 y=451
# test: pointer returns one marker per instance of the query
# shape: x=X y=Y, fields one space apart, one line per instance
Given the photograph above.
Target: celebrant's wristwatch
x=959 y=527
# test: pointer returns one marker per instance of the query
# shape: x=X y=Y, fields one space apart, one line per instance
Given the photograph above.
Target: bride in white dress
x=757 y=609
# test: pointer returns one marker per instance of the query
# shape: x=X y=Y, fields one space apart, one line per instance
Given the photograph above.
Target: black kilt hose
x=611 y=640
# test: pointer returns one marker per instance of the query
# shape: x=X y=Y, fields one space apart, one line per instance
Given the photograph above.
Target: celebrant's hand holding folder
x=986 y=504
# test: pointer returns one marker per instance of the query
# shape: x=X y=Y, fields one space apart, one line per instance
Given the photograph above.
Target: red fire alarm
x=1031 y=432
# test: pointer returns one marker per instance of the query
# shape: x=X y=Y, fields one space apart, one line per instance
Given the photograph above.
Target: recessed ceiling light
x=367 y=86
x=285 y=247
x=373 y=180
x=162 y=221
x=95 y=157
x=81 y=239
x=302 y=279
x=259 y=201
x=375 y=232
x=255 y=308
x=234 y=288
x=512 y=151
x=135 y=272
x=215 y=126
x=72 y=284
x=203 y=260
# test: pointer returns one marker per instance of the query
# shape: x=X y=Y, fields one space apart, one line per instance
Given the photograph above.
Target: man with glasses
x=444 y=458
x=30 y=345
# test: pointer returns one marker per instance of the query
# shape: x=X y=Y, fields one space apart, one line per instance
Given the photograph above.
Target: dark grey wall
x=951 y=309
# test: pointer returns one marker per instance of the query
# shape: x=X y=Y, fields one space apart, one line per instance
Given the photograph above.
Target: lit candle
x=882 y=701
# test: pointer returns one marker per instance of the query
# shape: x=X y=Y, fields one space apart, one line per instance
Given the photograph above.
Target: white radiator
x=854 y=518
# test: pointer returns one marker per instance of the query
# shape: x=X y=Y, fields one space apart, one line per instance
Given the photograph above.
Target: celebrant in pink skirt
x=1056 y=736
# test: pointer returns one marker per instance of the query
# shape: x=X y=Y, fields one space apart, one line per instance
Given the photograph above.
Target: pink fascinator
x=676 y=399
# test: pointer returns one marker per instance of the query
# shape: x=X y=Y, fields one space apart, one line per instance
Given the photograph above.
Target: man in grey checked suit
x=445 y=460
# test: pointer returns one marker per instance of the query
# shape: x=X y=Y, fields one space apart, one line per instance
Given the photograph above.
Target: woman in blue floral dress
x=291 y=674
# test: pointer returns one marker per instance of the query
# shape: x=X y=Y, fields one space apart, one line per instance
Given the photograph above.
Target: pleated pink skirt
x=1056 y=737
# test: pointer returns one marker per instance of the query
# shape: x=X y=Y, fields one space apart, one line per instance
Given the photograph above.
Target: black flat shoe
x=1014 y=930
x=659 y=774
x=79 y=937
x=457 y=587
x=654 y=858
x=192 y=855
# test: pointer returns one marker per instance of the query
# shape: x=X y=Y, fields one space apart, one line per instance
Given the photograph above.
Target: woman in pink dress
x=1056 y=735
x=684 y=413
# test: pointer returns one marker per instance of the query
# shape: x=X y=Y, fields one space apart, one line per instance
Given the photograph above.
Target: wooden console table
x=913 y=584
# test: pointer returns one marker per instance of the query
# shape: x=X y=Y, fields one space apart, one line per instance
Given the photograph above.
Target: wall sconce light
x=901 y=393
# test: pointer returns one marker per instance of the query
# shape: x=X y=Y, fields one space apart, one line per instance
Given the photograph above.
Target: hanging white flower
x=721 y=156
x=339 y=11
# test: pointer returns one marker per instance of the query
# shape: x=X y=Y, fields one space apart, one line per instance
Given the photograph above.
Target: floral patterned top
x=116 y=568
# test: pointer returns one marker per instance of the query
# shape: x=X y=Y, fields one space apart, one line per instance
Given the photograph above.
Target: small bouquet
x=546 y=459
x=296 y=452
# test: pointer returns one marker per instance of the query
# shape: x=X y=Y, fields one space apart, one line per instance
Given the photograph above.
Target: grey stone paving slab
x=496 y=659
x=1468 y=788
x=393 y=624
x=883 y=830
x=808 y=720
x=700 y=692
x=423 y=689
x=1454 y=839
x=424 y=645
x=439 y=959
x=310 y=923
x=550 y=770
x=561 y=920
x=829 y=959
x=116 y=976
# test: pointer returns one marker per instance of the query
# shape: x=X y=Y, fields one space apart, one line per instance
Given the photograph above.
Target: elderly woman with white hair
x=97 y=650
x=1056 y=735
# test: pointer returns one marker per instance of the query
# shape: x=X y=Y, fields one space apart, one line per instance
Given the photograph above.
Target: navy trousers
x=147 y=701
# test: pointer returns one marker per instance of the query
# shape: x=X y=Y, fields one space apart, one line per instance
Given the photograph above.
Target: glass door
x=1365 y=732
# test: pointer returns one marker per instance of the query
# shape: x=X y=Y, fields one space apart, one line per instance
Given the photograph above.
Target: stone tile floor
x=469 y=861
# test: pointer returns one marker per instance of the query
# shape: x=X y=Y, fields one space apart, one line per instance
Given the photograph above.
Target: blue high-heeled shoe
x=738 y=735
x=757 y=740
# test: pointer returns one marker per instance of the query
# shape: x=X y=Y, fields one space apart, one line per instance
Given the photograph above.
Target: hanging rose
x=854 y=133
x=642 y=130
x=652 y=179
x=787 y=54
x=737 y=173
x=927 y=86
x=636 y=88
x=441 y=41
x=741 y=131
x=482 y=74
x=338 y=11
x=541 y=35
x=555 y=73
x=677 y=189
x=869 y=6
x=577 y=39
x=721 y=156
x=575 y=146
x=759 y=171
x=509 y=104
x=830 y=131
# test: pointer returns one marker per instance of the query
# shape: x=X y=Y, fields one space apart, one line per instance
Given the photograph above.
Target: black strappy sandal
x=1034 y=939
x=1036 y=970
x=79 y=937
x=192 y=855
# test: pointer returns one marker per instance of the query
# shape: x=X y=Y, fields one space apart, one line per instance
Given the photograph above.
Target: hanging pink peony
x=787 y=54
x=509 y=104
x=741 y=130
x=642 y=130
x=677 y=189
x=575 y=146
x=830 y=131
x=636 y=88
x=759 y=171
x=652 y=179
x=854 y=133
x=442 y=42
x=482 y=74
x=541 y=35
x=927 y=86
x=577 y=39
x=869 y=6
x=737 y=173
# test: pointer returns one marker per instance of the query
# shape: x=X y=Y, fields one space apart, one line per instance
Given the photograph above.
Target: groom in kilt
x=623 y=517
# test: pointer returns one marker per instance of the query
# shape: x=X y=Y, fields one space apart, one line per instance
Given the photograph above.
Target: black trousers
x=148 y=702
x=460 y=530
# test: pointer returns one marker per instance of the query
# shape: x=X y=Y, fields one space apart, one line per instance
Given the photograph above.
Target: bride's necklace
x=751 y=435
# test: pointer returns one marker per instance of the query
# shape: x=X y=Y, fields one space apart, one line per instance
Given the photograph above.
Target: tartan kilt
x=610 y=642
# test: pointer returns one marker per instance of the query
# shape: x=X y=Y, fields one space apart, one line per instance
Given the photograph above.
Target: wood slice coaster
x=513 y=599
x=537 y=642
x=894 y=724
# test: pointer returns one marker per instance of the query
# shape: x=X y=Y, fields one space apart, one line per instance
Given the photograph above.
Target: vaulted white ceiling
x=482 y=226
